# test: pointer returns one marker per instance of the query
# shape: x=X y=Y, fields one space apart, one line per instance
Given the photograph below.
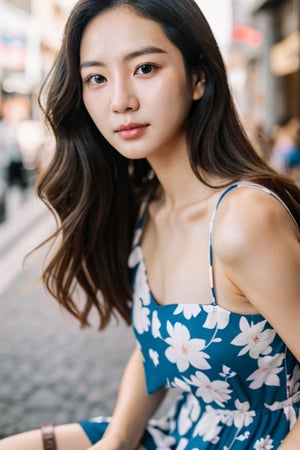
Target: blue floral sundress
x=239 y=384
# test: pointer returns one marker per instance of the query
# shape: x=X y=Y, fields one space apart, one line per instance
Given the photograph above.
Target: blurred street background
x=49 y=368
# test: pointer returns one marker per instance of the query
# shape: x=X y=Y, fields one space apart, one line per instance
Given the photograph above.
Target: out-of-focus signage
x=12 y=51
x=285 y=55
x=13 y=38
x=243 y=34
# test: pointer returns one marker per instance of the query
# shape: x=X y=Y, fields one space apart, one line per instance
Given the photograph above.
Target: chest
x=176 y=257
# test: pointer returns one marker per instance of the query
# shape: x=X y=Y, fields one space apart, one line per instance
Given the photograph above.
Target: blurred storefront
x=19 y=48
x=284 y=53
x=264 y=60
x=30 y=32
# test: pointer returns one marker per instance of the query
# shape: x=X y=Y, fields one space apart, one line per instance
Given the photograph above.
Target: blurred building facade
x=30 y=32
x=264 y=59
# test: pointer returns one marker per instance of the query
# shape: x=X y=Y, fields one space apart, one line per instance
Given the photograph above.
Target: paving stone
x=50 y=369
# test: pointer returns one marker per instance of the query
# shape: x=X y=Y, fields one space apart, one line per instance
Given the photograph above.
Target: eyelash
x=153 y=67
x=91 y=79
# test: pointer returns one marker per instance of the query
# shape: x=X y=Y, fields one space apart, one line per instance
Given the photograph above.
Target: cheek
x=175 y=95
x=174 y=109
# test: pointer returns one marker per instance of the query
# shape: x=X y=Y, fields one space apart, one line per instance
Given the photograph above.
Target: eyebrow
x=141 y=52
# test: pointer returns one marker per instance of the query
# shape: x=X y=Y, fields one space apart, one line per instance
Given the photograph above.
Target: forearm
x=292 y=441
x=134 y=406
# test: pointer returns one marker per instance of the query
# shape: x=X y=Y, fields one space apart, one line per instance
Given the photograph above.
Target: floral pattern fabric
x=239 y=385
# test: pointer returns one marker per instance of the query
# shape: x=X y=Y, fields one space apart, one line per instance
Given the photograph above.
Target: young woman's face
x=135 y=86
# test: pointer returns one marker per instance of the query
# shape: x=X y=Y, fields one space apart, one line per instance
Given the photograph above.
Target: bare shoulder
x=249 y=219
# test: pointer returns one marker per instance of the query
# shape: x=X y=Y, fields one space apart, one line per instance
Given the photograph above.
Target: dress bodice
x=208 y=350
x=239 y=385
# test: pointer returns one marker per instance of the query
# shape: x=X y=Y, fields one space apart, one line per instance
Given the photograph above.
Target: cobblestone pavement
x=49 y=368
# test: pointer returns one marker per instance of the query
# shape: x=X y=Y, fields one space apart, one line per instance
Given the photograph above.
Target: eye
x=145 y=69
x=94 y=80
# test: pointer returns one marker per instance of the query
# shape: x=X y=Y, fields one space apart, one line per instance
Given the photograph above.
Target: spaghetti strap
x=232 y=391
x=223 y=194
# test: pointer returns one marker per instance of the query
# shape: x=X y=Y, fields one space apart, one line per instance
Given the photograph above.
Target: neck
x=180 y=186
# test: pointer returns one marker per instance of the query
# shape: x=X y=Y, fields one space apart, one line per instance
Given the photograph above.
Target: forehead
x=121 y=28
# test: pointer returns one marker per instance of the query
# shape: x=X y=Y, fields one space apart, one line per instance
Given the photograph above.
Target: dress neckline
x=213 y=303
x=214 y=306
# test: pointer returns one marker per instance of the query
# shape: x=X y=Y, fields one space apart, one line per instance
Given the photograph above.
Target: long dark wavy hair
x=95 y=193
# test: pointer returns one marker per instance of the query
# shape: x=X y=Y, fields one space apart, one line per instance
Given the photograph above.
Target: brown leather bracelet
x=48 y=435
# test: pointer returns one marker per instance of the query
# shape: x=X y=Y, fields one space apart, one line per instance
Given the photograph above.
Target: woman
x=150 y=151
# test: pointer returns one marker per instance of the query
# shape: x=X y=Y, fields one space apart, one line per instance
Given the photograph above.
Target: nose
x=124 y=97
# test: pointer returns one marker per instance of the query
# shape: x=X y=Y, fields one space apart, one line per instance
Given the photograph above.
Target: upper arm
x=258 y=244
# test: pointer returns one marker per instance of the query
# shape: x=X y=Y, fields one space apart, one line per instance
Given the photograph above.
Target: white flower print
x=189 y=414
x=227 y=372
x=216 y=317
x=291 y=415
x=269 y=367
x=243 y=437
x=210 y=391
x=243 y=417
x=207 y=427
x=136 y=255
x=195 y=408
x=156 y=325
x=182 y=444
x=154 y=356
x=289 y=407
x=294 y=381
x=183 y=350
x=140 y=316
x=162 y=440
x=184 y=421
x=188 y=310
x=178 y=382
x=141 y=288
x=137 y=236
x=253 y=339
x=240 y=417
x=264 y=444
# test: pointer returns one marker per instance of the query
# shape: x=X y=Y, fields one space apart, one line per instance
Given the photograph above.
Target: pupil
x=146 y=68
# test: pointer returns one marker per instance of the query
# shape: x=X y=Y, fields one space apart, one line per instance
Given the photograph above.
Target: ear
x=198 y=81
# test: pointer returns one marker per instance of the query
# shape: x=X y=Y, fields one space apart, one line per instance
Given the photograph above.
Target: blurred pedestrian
x=11 y=154
x=11 y=157
x=286 y=146
x=149 y=149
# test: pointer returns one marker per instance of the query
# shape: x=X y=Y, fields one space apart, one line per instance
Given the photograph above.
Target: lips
x=131 y=130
